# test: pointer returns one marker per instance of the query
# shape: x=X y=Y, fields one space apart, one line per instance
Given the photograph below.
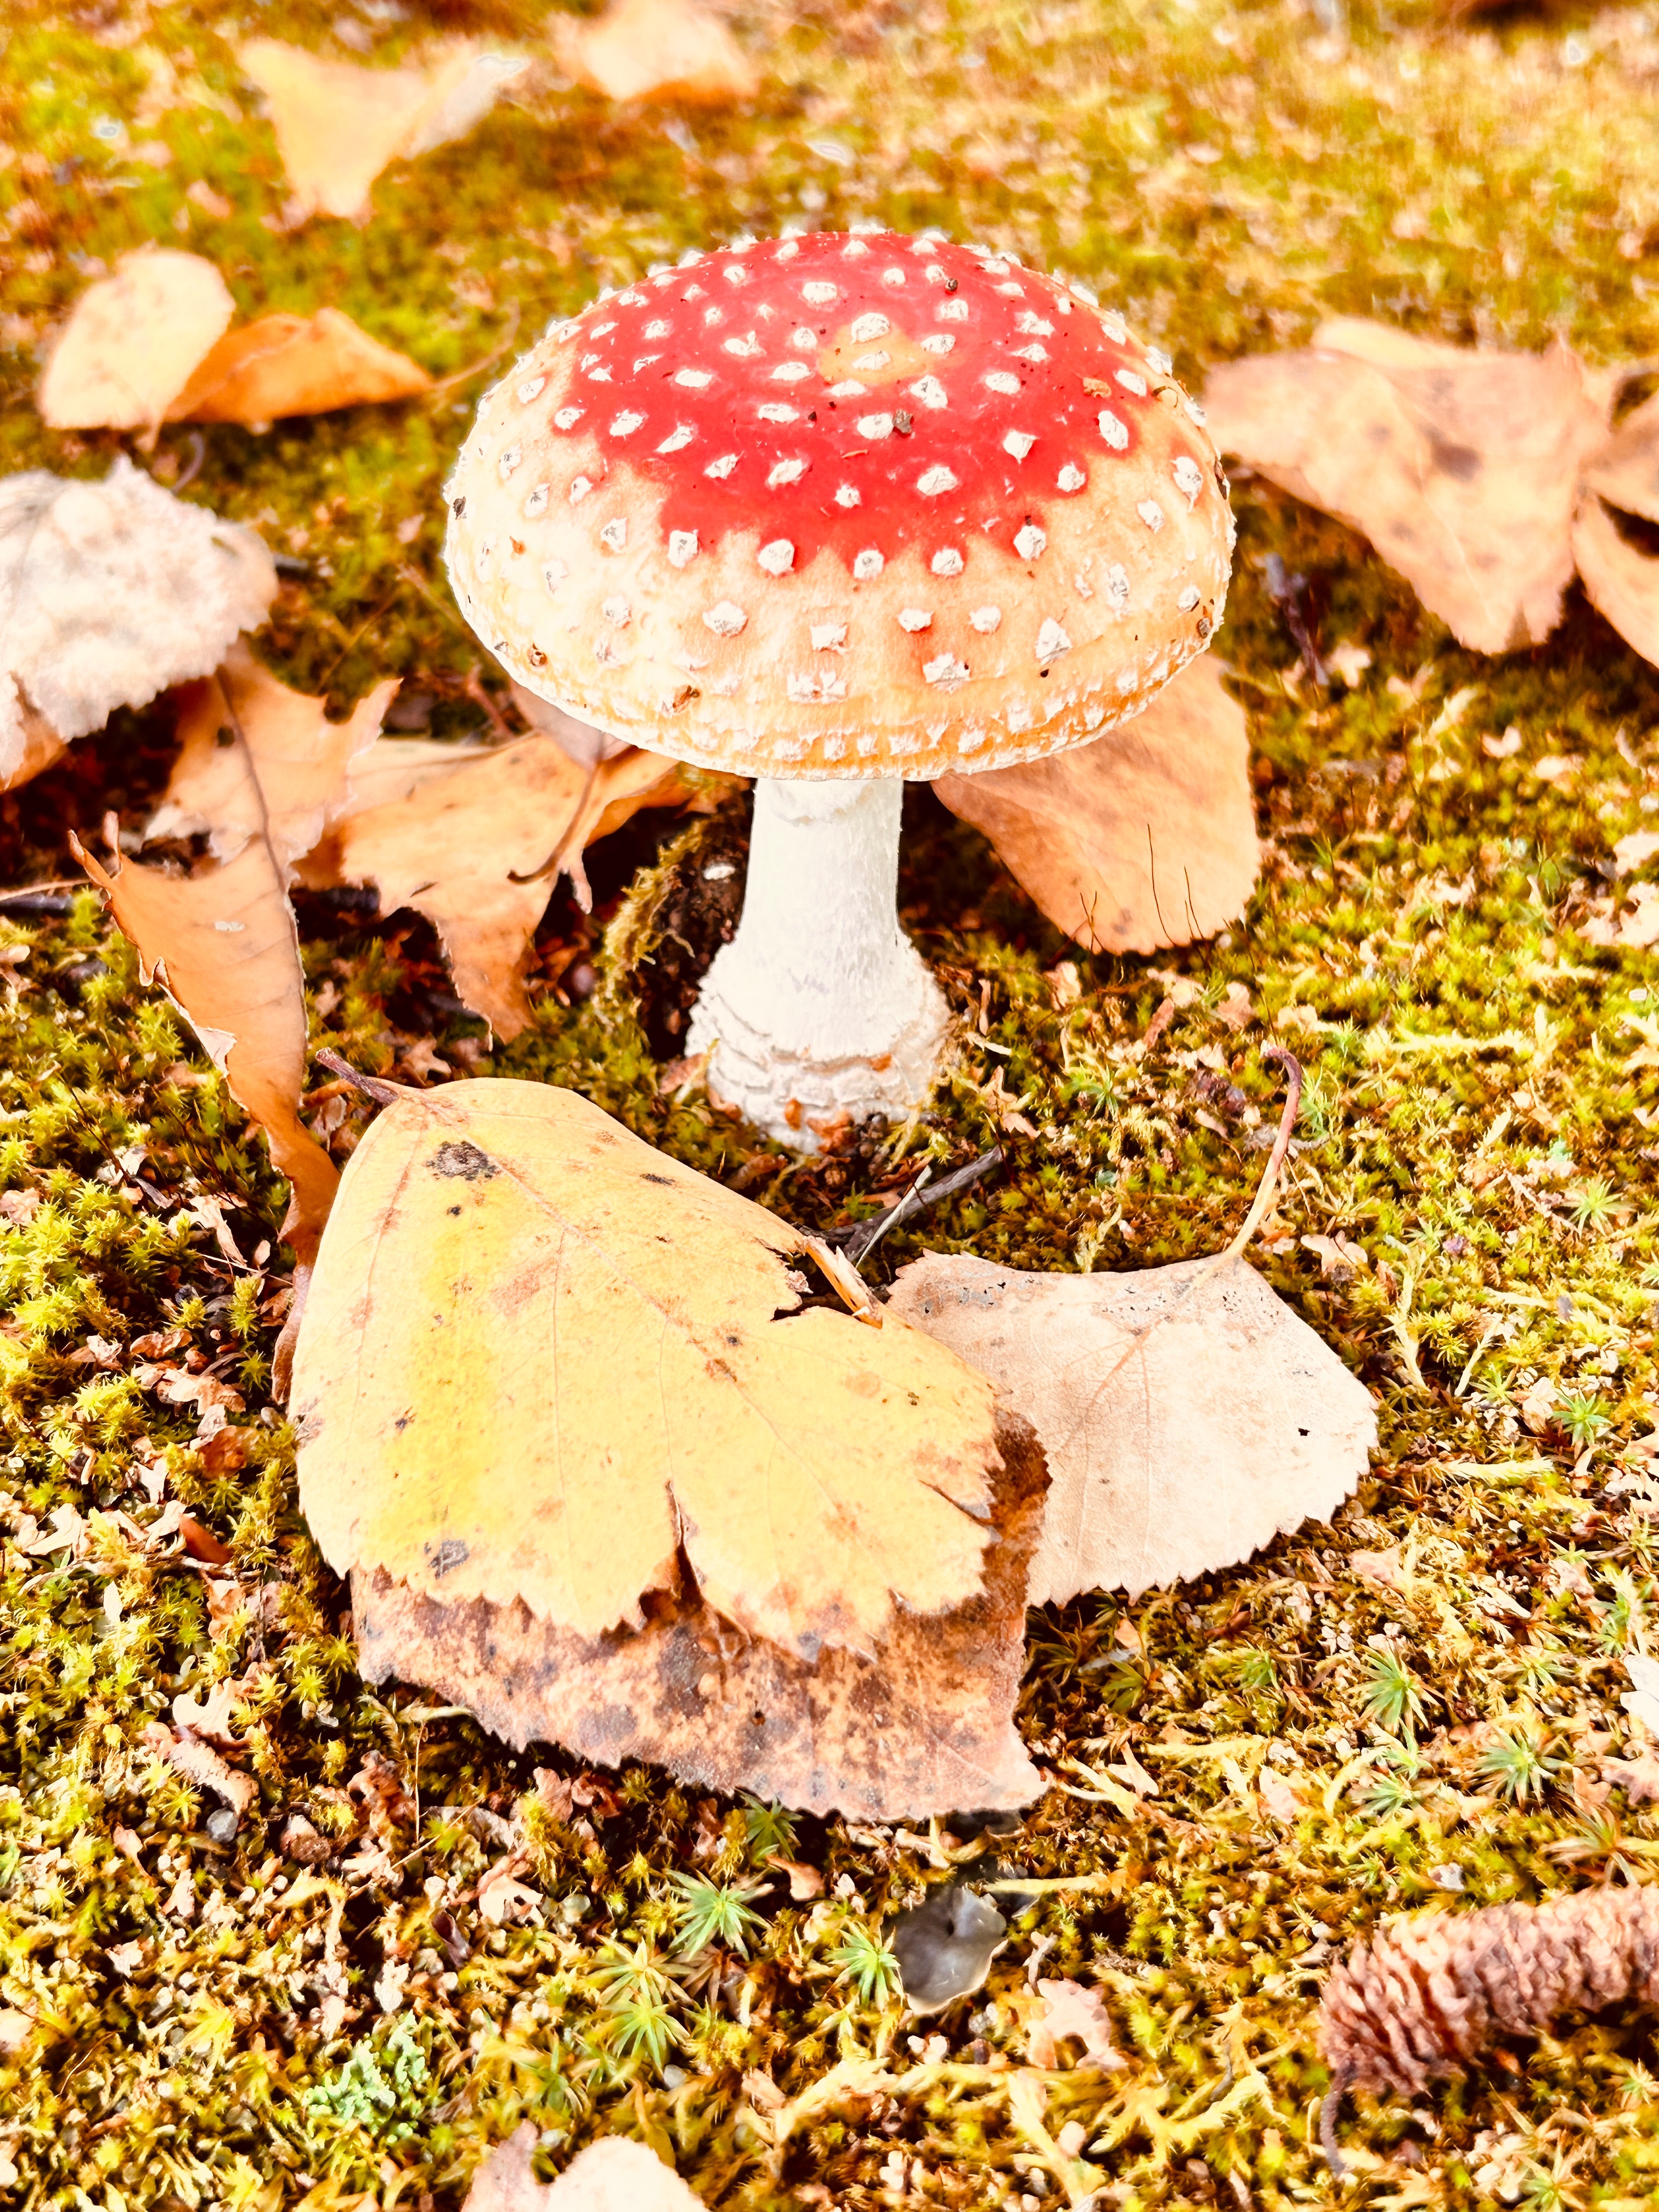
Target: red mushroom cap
x=844 y=506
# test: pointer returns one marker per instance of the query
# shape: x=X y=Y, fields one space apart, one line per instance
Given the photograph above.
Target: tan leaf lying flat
x=339 y=124
x=614 y=2174
x=1462 y=468
x=294 y=365
x=1144 y=839
x=1070 y=2012
x=657 y=49
x=109 y=593
x=129 y=346
x=1188 y=1414
x=450 y=844
x=541 y=1361
x=222 y=945
x=924 y=1726
x=301 y=761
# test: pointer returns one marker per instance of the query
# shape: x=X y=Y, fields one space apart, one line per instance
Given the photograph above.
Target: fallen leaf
x=1638 y=1777
x=502 y=1898
x=202 y=1766
x=1071 y=2013
x=132 y=340
x=1188 y=1416
x=1338 y=1255
x=614 y=2174
x=1621 y=580
x=339 y=124
x=294 y=365
x=1461 y=467
x=450 y=844
x=946 y=1945
x=804 y=1881
x=1384 y=1568
x=211 y=1718
x=299 y=762
x=109 y=593
x=1278 y=1799
x=1635 y=850
x=1641 y=1702
x=657 y=49
x=223 y=944
x=125 y=1957
x=1143 y=839
x=15 y=2029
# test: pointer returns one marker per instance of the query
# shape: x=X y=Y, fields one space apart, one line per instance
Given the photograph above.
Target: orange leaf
x=292 y=365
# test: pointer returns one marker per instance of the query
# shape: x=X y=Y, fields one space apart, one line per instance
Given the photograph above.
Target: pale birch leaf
x=109 y=593
x=1145 y=838
x=339 y=124
x=133 y=340
x=1461 y=467
x=1188 y=1416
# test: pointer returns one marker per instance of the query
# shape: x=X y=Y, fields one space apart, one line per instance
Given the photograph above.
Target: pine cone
x=1428 y=1994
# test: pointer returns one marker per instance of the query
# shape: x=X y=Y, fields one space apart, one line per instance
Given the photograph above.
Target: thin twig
x=1262 y=1202
x=860 y=1241
x=462 y=375
x=383 y=1094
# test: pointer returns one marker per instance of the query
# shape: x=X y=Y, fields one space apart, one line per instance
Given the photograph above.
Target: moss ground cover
x=1421 y=1705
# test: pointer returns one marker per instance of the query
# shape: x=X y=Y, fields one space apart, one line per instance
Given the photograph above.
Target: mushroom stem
x=820 y=1007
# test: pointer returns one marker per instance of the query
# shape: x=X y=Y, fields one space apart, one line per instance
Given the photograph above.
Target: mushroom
x=836 y=512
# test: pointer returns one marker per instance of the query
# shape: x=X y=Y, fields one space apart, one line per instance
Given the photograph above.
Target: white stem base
x=820 y=1007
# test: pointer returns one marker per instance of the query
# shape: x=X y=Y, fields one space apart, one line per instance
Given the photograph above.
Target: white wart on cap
x=843 y=506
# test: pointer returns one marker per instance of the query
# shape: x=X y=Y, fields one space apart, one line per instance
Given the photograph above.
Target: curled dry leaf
x=202 y=1766
x=294 y=365
x=1620 y=577
x=339 y=124
x=1145 y=838
x=109 y=593
x=240 y=719
x=1461 y=467
x=1188 y=1414
x=1071 y=2013
x=132 y=340
x=452 y=844
x=657 y=49
x=221 y=941
x=614 y=2174
x=512 y=1281
x=946 y=1945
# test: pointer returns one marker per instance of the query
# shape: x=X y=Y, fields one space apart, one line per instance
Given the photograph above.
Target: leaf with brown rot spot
x=542 y=1361
x=1145 y=838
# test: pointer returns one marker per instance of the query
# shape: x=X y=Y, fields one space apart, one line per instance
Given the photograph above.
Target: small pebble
x=221 y=1825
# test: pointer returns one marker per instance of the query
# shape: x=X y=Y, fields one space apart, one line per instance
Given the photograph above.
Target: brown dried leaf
x=294 y=365
x=300 y=761
x=202 y=1766
x=1188 y=1414
x=1144 y=839
x=1461 y=467
x=657 y=49
x=514 y=1282
x=614 y=2174
x=1621 y=581
x=339 y=124
x=130 y=345
x=924 y=1726
x=451 y=845
x=1070 y=2011
x=112 y=591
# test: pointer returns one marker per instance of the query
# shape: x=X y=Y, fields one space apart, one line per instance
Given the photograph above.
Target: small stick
x=1264 y=1197
x=383 y=1094
x=859 y=1243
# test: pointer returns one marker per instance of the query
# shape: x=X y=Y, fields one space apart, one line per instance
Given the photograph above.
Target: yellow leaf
x=543 y=1363
x=129 y=346
x=294 y=365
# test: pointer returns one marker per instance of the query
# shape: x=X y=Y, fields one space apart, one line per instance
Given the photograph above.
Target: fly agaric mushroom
x=835 y=511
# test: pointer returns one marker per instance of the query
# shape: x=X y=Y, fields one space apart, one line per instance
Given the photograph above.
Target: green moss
x=1480 y=1115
